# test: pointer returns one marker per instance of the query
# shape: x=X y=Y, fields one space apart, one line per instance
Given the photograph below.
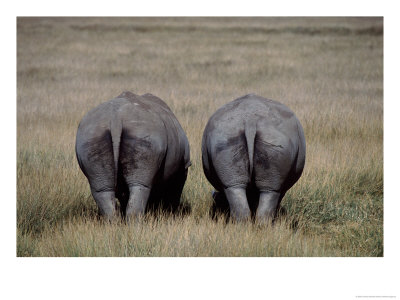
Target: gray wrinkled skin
x=134 y=149
x=253 y=152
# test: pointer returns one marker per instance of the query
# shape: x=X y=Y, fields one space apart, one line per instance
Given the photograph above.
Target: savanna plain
x=329 y=71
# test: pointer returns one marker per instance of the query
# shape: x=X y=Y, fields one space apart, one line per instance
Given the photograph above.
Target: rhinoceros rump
x=134 y=149
x=253 y=151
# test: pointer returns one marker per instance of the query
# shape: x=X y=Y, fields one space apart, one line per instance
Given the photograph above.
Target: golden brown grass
x=328 y=70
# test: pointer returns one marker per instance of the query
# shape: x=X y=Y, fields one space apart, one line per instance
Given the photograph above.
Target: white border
x=280 y=278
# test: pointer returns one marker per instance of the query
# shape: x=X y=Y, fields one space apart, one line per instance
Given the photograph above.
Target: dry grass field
x=329 y=71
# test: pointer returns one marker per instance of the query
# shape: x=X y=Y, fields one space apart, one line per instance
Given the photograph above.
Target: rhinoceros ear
x=127 y=95
x=214 y=194
x=188 y=164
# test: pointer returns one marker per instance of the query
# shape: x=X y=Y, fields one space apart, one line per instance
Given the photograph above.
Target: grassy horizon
x=329 y=71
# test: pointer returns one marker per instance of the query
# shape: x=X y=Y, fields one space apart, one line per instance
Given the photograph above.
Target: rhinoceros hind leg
x=267 y=206
x=106 y=202
x=172 y=198
x=138 y=197
x=220 y=206
x=239 y=207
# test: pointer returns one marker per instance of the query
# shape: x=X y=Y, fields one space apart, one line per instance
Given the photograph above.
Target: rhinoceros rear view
x=134 y=149
x=253 y=151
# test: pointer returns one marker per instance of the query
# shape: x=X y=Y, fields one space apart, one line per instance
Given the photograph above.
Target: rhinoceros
x=134 y=149
x=253 y=152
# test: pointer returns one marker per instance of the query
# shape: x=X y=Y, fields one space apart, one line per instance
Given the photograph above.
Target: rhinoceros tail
x=250 y=130
x=116 y=131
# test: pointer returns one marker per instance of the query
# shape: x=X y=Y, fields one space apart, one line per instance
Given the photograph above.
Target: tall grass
x=329 y=71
